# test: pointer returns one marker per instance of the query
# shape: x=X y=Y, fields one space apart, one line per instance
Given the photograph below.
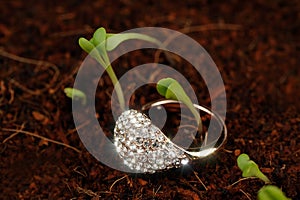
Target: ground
x=254 y=44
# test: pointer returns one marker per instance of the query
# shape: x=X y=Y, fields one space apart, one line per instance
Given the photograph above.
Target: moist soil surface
x=255 y=46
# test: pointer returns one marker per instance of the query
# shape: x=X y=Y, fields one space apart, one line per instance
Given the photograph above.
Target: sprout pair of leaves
x=251 y=169
x=101 y=43
x=105 y=42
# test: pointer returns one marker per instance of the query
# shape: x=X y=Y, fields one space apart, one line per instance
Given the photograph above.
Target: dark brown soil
x=258 y=60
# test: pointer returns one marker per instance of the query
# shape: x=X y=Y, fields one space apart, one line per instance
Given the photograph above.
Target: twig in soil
x=195 y=173
x=11 y=92
x=156 y=191
x=69 y=188
x=112 y=185
x=77 y=170
x=247 y=195
x=12 y=95
x=298 y=151
x=86 y=191
x=195 y=189
x=32 y=62
x=14 y=134
x=107 y=192
x=79 y=127
x=240 y=180
x=70 y=76
x=37 y=136
x=2 y=90
x=2 y=149
x=227 y=151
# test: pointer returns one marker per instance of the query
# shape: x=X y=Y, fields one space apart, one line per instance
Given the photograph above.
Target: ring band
x=146 y=149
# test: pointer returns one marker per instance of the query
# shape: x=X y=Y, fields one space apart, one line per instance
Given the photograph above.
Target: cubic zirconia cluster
x=143 y=146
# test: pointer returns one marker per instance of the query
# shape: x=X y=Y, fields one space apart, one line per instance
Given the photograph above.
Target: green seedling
x=250 y=169
x=101 y=43
x=171 y=89
x=75 y=94
x=271 y=192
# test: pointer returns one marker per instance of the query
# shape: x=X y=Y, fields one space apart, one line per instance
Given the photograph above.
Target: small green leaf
x=99 y=36
x=99 y=40
x=86 y=45
x=75 y=94
x=92 y=41
x=171 y=89
x=271 y=192
x=113 y=40
x=250 y=168
x=163 y=85
x=89 y=47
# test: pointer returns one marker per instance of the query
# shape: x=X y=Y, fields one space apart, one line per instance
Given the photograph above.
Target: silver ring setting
x=144 y=148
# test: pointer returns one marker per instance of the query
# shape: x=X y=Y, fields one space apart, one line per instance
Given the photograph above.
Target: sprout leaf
x=250 y=168
x=113 y=40
x=171 y=89
x=99 y=36
x=75 y=94
x=89 y=47
x=86 y=45
x=271 y=192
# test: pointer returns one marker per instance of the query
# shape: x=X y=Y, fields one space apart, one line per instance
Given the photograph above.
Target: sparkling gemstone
x=169 y=145
x=138 y=166
x=121 y=138
x=138 y=125
x=133 y=147
x=146 y=144
x=160 y=161
x=124 y=122
x=131 y=137
x=151 y=159
x=140 y=150
x=120 y=126
x=154 y=143
x=144 y=132
x=155 y=166
x=142 y=158
x=127 y=126
x=133 y=120
x=171 y=154
x=140 y=116
x=160 y=137
x=143 y=146
x=184 y=161
x=139 y=140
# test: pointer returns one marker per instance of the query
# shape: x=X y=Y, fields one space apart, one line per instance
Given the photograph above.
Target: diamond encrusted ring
x=146 y=149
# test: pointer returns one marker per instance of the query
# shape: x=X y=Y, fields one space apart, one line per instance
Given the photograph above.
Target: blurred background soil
x=255 y=45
